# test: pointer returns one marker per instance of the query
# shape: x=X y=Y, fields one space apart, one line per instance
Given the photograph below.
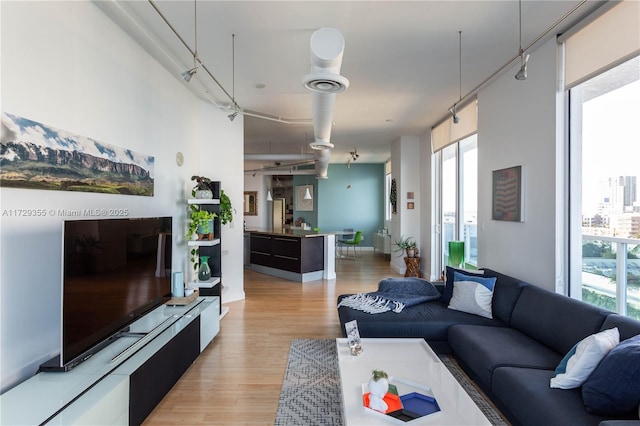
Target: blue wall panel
x=360 y=207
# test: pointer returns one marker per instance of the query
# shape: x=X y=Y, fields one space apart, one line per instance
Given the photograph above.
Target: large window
x=605 y=173
x=459 y=199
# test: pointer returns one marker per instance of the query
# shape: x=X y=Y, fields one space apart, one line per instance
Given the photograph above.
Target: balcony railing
x=611 y=273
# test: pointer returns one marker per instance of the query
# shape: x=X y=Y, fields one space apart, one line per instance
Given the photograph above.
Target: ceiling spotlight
x=189 y=73
x=522 y=72
x=454 y=114
x=233 y=115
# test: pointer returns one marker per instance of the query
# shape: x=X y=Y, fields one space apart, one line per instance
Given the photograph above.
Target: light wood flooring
x=237 y=379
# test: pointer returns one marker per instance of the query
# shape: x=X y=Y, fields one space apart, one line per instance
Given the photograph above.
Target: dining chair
x=355 y=242
x=347 y=234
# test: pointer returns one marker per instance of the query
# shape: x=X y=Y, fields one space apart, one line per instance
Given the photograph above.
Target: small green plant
x=201 y=183
x=404 y=244
x=379 y=374
x=198 y=217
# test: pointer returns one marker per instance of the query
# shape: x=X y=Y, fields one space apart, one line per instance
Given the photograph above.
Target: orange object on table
x=393 y=401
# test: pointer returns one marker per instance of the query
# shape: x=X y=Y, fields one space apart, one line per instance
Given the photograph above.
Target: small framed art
x=507 y=202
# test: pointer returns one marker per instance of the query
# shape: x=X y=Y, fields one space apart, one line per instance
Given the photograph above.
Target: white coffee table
x=410 y=359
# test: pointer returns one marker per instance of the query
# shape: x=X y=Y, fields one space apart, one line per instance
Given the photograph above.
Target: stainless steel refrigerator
x=277 y=213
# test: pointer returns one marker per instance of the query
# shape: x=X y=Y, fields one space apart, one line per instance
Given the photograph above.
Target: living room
x=66 y=64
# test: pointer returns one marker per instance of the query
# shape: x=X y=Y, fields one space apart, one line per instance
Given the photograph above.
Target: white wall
x=428 y=236
x=258 y=183
x=68 y=66
x=517 y=126
x=406 y=164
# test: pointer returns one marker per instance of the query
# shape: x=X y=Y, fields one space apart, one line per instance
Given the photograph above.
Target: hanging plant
x=226 y=210
x=393 y=196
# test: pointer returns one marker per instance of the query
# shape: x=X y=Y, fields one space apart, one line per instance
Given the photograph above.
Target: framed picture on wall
x=507 y=201
x=302 y=204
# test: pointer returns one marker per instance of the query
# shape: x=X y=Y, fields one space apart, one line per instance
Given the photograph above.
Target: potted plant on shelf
x=407 y=245
x=202 y=188
x=201 y=223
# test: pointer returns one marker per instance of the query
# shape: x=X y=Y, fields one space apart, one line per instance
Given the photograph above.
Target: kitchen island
x=293 y=254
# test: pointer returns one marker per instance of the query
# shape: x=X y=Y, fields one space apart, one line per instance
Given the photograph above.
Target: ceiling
x=402 y=60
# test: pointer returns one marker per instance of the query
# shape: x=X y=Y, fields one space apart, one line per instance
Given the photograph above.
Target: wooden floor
x=237 y=379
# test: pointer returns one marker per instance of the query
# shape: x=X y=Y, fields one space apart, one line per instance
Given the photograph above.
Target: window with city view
x=460 y=197
x=605 y=113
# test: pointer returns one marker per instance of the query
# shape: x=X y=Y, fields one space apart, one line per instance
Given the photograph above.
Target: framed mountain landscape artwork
x=37 y=156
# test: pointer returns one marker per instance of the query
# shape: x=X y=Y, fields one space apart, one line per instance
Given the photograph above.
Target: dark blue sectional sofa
x=512 y=357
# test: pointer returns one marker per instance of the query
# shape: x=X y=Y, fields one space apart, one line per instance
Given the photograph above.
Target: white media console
x=104 y=391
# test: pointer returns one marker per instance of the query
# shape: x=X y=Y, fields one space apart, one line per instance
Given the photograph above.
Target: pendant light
x=269 y=197
x=307 y=193
x=522 y=72
x=191 y=72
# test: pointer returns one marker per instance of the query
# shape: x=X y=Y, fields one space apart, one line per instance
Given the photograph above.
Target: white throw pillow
x=588 y=354
x=472 y=295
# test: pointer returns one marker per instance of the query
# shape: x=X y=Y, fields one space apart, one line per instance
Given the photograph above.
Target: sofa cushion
x=627 y=326
x=448 y=284
x=614 y=386
x=505 y=294
x=555 y=320
x=472 y=295
x=429 y=320
x=481 y=349
x=525 y=395
x=583 y=358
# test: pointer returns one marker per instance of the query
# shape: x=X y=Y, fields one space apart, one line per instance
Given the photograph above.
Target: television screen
x=114 y=271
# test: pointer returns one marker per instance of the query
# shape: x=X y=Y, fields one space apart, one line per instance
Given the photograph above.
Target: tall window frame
x=455 y=163
x=598 y=80
x=459 y=198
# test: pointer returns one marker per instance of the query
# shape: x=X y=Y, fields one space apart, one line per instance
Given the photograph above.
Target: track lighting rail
x=473 y=92
x=204 y=67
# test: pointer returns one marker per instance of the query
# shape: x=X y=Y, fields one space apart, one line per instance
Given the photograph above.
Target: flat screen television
x=113 y=272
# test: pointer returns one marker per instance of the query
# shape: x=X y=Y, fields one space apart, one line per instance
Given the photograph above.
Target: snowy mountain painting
x=36 y=156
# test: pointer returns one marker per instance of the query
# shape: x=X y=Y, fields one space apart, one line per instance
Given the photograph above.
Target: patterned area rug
x=311 y=386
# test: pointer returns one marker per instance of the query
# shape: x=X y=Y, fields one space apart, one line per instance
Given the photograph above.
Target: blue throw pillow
x=448 y=287
x=472 y=294
x=614 y=387
x=562 y=367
